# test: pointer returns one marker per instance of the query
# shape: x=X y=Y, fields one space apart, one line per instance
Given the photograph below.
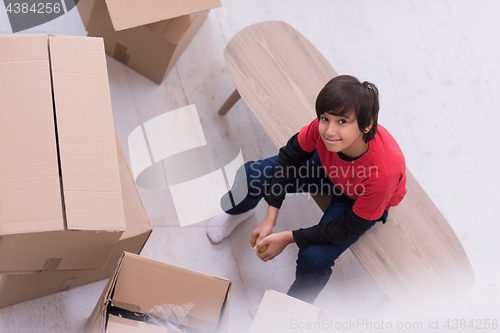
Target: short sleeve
x=372 y=203
x=309 y=135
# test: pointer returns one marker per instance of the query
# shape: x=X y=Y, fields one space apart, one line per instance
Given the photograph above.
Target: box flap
x=127 y=14
x=144 y=283
x=30 y=194
x=123 y=325
x=87 y=146
x=97 y=320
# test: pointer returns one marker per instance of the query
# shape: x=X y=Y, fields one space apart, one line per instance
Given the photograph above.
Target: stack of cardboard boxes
x=70 y=211
x=68 y=202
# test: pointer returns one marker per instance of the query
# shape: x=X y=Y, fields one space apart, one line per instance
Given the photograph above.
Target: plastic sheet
x=168 y=315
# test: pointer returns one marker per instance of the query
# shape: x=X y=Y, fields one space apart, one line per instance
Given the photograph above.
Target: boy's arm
x=340 y=230
x=290 y=156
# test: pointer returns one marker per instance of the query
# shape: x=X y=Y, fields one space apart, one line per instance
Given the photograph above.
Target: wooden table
x=415 y=257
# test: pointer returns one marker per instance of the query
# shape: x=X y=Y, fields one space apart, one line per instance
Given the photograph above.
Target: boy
x=343 y=152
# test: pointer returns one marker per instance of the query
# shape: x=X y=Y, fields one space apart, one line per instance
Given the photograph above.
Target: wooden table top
x=415 y=257
x=278 y=73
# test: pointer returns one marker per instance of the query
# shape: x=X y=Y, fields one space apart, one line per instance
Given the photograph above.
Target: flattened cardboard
x=156 y=36
x=127 y=14
x=17 y=288
x=46 y=224
x=278 y=312
x=139 y=284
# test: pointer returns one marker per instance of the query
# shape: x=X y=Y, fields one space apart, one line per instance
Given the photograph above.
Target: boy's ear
x=367 y=129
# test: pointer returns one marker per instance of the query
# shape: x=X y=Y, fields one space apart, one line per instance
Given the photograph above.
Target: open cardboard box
x=279 y=312
x=139 y=284
x=17 y=288
x=61 y=204
x=149 y=36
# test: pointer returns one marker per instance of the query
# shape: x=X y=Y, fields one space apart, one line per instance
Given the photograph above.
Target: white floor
x=436 y=64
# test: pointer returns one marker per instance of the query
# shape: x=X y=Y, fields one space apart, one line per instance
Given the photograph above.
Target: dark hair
x=345 y=94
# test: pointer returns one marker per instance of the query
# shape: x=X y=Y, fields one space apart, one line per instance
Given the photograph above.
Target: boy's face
x=342 y=134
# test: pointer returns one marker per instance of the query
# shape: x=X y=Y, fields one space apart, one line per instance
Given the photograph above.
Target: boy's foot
x=253 y=311
x=222 y=225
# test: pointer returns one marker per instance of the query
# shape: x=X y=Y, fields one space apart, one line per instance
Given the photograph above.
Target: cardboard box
x=17 y=288
x=279 y=312
x=139 y=284
x=148 y=36
x=60 y=186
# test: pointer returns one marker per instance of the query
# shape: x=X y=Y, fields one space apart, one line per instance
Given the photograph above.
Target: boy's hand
x=262 y=230
x=265 y=227
x=276 y=243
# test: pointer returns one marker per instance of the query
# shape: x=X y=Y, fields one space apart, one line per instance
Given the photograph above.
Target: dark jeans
x=314 y=262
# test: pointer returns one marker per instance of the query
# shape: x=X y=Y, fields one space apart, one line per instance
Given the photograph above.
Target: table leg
x=235 y=97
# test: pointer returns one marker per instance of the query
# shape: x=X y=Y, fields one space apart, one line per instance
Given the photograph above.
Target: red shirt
x=376 y=180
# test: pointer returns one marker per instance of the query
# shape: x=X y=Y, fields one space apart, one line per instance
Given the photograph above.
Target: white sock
x=252 y=312
x=222 y=225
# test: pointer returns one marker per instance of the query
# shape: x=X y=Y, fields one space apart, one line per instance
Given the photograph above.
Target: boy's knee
x=313 y=259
